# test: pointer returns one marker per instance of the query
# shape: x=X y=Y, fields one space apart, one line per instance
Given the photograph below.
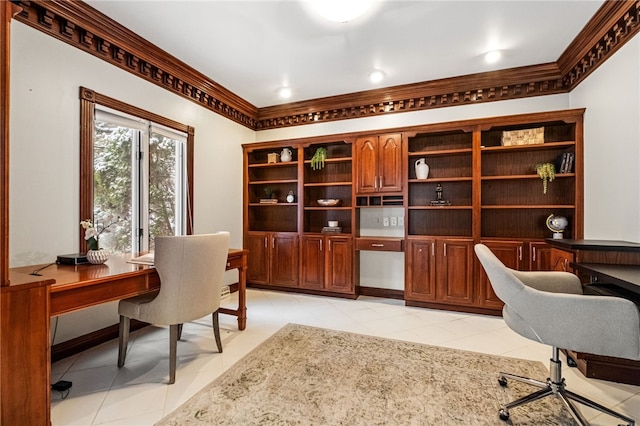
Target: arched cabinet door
x=378 y=164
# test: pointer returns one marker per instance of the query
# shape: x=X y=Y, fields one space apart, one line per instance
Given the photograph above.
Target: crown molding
x=78 y=24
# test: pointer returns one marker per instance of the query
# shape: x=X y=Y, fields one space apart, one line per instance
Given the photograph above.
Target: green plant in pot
x=547 y=172
x=317 y=161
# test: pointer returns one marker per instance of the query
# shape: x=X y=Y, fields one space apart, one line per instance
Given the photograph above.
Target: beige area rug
x=311 y=376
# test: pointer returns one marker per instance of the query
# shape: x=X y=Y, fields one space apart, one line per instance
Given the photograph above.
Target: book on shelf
x=564 y=162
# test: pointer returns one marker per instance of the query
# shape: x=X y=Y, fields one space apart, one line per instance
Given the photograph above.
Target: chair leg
x=216 y=331
x=180 y=331
x=124 y=339
x=173 y=349
x=555 y=386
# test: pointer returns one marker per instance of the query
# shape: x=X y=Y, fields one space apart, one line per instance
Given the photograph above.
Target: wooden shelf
x=440 y=207
x=321 y=184
x=274 y=181
x=444 y=179
x=532 y=176
x=271 y=205
x=280 y=164
x=546 y=145
x=319 y=208
x=440 y=152
x=535 y=206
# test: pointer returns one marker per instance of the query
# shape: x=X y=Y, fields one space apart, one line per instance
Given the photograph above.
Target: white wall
x=46 y=74
x=44 y=161
x=612 y=146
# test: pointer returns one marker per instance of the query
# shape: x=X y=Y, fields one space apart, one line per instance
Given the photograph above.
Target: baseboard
x=95 y=338
x=88 y=341
x=380 y=292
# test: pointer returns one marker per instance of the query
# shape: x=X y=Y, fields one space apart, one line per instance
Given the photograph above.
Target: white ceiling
x=254 y=47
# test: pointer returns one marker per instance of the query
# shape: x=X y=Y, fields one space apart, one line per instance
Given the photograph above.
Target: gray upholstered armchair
x=191 y=270
x=549 y=307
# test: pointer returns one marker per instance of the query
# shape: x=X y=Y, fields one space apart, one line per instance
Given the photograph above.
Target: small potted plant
x=95 y=255
x=547 y=172
x=317 y=161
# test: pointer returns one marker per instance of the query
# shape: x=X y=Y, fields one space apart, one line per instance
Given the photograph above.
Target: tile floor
x=138 y=394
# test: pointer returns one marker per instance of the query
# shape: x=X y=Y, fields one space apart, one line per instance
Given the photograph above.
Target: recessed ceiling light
x=284 y=92
x=340 y=10
x=376 y=76
x=492 y=56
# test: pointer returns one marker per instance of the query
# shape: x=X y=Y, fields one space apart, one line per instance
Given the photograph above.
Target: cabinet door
x=312 y=262
x=539 y=256
x=420 y=281
x=284 y=259
x=367 y=165
x=258 y=261
x=340 y=264
x=454 y=271
x=390 y=163
x=560 y=260
x=510 y=253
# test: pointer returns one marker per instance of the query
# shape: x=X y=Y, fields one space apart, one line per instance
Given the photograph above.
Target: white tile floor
x=137 y=394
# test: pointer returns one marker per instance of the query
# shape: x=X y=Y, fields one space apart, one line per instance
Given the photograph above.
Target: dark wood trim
x=301 y=290
x=615 y=23
x=88 y=99
x=88 y=341
x=455 y=308
x=79 y=25
x=380 y=292
x=7 y=10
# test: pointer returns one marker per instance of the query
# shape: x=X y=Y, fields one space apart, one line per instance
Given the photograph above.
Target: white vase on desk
x=98 y=257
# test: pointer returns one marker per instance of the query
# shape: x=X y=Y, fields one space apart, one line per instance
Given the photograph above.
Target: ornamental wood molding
x=80 y=25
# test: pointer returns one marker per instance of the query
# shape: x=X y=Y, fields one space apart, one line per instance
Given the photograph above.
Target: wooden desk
x=28 y=303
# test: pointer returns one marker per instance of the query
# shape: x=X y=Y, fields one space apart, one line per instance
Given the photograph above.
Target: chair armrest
x=550 y=281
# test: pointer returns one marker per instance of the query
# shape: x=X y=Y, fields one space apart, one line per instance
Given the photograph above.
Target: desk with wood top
x=29 y=302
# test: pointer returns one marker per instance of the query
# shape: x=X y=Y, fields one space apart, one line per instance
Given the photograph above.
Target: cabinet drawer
x=380 y=244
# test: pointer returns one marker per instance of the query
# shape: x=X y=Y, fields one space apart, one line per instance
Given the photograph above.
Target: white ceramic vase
x=422 y=169
x=98 y=257
x=285 y=155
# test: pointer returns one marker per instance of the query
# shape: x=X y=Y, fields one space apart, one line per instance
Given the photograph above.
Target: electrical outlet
x=400 y=220
x=385 y=221
x=394 y=221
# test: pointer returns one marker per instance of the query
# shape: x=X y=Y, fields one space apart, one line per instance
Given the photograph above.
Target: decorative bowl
x=328 y=202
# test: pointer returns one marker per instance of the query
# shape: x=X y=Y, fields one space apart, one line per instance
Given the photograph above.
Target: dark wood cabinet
x=454 y=273
x=439 y=271
x=420 y=270
x=481 y=187
x=379 y=162
x=560 y=260
x=510 y=253
x=539 y=256
x=327 y=263
x=273 y=259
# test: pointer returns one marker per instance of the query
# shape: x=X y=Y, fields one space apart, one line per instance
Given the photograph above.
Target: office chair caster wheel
x=504 y=414
x=502 y=381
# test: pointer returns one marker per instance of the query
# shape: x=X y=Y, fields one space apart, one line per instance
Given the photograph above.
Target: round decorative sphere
x=557 y=223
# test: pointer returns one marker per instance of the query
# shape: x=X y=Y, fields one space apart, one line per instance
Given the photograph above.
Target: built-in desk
x=610 y=268
x=28 y=303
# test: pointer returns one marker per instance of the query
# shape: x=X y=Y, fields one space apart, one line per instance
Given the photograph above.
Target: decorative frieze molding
x=78 y=24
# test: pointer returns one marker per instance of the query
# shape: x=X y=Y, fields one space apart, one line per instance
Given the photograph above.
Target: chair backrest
x=549 y=307
x=191 y=270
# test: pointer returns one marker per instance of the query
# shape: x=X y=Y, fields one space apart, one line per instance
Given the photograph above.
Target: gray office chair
x=549 y=307
x=191 y=270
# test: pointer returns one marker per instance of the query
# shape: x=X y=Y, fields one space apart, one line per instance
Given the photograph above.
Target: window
x=136 y=172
